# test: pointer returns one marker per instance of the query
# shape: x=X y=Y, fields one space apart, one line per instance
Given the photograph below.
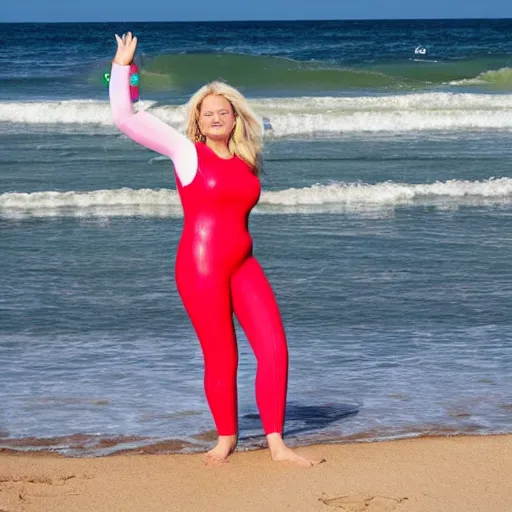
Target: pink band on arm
x=148 y=130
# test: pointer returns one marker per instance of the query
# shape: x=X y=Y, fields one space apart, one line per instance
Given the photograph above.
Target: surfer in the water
x=217 y=167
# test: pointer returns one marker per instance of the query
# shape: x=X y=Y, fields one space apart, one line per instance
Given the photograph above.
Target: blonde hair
x=245 y=140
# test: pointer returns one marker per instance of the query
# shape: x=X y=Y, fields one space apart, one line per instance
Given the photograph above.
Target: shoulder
x=185 y=163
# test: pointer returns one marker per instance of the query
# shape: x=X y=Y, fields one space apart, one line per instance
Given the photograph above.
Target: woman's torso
x=216 y=208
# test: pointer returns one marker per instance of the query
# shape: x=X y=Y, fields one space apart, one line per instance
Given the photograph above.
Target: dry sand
x=465 y=474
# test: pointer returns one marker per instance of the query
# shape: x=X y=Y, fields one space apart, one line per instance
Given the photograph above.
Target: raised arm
x=143 y=127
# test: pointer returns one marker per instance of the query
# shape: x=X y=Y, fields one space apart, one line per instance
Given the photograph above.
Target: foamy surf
x=299 y=116
x=498 y=78
x=333 y=197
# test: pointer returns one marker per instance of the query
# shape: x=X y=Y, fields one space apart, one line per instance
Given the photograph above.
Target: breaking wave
x=319 y=198
x=295 y=116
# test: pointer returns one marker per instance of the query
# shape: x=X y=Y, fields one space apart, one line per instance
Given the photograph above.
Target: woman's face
x=216 y=118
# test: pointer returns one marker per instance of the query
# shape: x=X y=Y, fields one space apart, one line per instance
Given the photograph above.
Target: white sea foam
x=314 y=199
x=390 y=193
x=496 y=77
x=302 y=116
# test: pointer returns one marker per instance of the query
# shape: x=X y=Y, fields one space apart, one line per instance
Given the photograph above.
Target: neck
x=219 y=146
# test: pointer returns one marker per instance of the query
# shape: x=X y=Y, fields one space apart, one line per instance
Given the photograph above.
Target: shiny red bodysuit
x=216 y=273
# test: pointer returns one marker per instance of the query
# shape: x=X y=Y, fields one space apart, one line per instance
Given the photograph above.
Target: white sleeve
x=148 y=130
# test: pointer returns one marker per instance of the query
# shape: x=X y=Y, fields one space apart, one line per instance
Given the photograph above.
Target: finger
x=119 y=42
x=128 y=38
x=133 y=44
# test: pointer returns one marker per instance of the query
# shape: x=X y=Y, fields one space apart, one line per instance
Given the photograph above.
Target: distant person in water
x=217 y=165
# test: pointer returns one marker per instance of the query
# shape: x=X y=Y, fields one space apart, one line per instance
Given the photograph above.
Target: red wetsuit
x=216 y=273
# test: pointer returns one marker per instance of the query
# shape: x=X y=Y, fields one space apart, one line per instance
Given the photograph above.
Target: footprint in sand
x=20 y=489
x=357 y=503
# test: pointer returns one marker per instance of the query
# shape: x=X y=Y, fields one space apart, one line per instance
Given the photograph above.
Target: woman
x=217 y=168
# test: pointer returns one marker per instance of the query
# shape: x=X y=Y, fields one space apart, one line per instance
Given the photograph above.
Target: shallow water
x=382 y=228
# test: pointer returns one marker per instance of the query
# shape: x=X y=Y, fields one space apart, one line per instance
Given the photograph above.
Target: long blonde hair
x=245 y=140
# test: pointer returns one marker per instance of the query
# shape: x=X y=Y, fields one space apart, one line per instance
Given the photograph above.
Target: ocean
x=384 y=227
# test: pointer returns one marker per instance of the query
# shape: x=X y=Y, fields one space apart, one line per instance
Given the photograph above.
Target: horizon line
x=259 y=20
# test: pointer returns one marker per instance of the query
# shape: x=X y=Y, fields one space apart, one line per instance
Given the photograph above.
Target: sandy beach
x=465 y=474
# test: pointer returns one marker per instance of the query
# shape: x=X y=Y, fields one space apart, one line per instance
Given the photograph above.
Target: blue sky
x=210 y=10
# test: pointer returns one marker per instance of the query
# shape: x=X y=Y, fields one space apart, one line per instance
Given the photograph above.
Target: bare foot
x=280 y=452
x=225 y=447
x=287 y=454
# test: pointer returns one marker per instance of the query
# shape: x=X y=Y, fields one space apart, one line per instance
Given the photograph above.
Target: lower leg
x=221 y=393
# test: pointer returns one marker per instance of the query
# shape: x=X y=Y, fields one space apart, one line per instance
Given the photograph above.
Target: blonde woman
x=217 y=167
